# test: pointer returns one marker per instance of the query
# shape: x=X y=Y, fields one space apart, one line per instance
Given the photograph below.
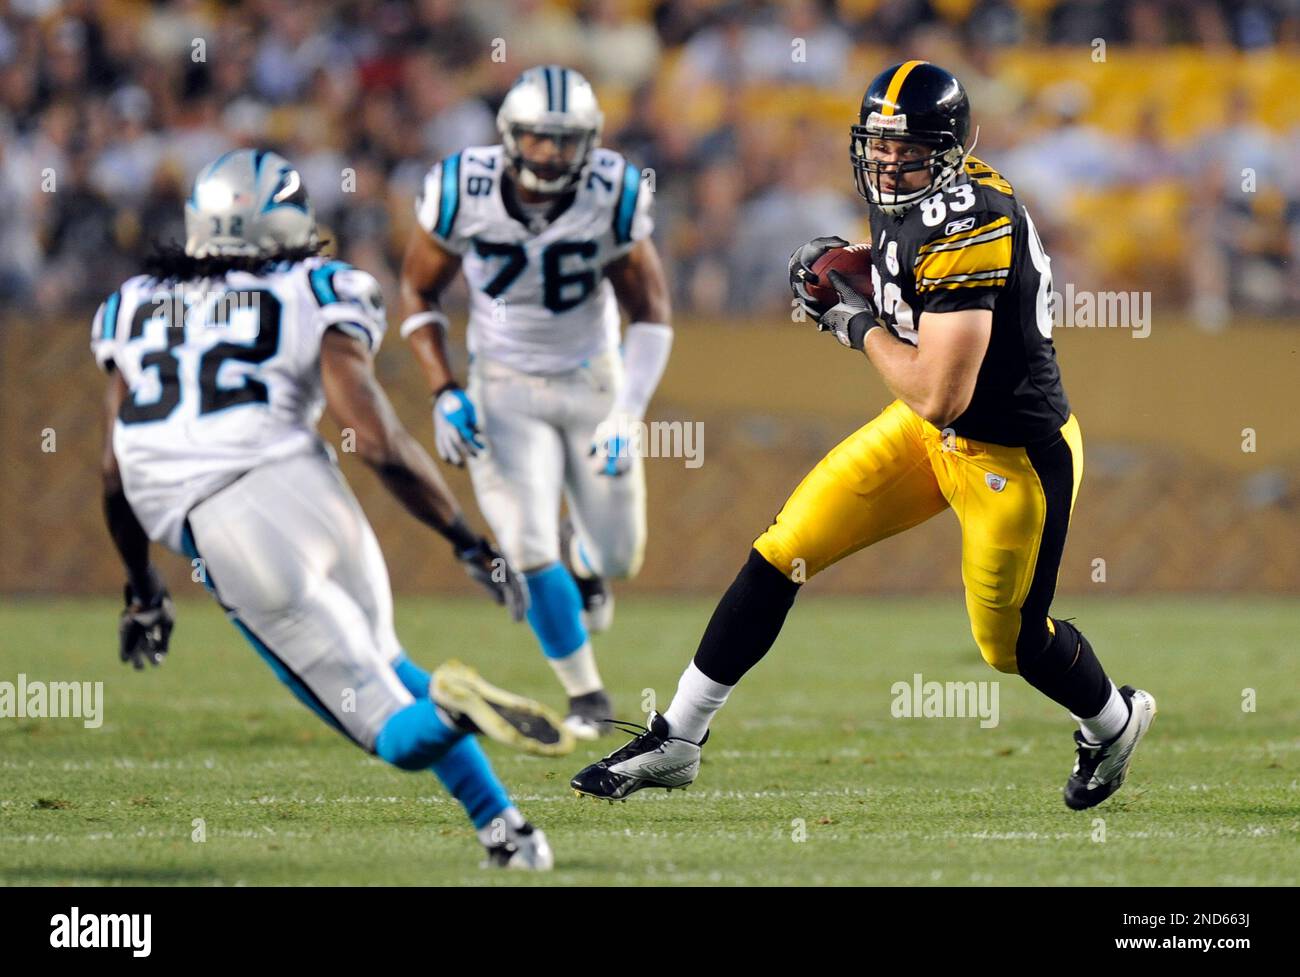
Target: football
x=853 y=262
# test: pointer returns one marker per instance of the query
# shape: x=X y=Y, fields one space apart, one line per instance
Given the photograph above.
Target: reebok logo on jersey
x=955 y=227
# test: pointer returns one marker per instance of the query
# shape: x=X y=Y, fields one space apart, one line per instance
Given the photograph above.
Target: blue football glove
x=455 y=426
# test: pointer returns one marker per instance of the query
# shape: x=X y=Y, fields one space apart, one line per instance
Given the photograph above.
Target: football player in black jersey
x=959 y=328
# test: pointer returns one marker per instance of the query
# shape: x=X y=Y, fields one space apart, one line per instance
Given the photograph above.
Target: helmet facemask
x=573 y=145
x=944 y=161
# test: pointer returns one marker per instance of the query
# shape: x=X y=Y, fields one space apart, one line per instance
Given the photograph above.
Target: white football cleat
x=1100 y=769
x=524 y=849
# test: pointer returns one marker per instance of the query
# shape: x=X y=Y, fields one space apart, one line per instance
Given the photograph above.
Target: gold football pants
x=1013 y=505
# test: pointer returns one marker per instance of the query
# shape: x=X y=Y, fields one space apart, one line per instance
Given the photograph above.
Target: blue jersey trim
x=322 y=281
x=109 y=327
x=449 y=201
x=627 y=204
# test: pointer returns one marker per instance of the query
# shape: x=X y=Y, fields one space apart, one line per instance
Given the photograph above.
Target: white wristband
x=414 y=322
x=645 y=356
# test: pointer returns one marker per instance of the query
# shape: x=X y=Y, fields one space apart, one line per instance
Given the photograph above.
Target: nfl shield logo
x=996 y=482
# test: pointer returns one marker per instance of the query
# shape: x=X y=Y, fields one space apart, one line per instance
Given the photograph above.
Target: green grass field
x=807 y=742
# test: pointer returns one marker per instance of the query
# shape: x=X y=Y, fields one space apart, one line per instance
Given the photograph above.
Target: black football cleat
x=1100 y=769
x=590 y=715
x=655 y=758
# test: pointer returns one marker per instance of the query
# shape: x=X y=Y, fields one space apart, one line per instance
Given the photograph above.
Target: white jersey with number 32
x=223 y=375
x=539 y=299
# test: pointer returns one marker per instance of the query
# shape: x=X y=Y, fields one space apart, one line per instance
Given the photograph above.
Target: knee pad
x=621 y=565
x=621 y=561
x=997 y=654
x=993 y=638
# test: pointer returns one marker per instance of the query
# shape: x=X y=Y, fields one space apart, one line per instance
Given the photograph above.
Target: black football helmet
x=918 y=102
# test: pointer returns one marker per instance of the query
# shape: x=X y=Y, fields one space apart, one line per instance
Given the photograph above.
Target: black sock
x=746 y=621
x=1067 y=671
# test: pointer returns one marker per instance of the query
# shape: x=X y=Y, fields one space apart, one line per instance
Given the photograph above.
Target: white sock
x=1108 y=723
x=577 y=672
x=491 y=834
x=698 y=698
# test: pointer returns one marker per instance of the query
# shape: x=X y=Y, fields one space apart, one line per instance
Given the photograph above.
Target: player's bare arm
x=936 y=378
x=640 y=283
x=128 y=535
x=146 y=623
x=357 y=402
x=427 y=270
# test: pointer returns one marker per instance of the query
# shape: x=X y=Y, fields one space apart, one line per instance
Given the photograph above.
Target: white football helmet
x=553 y=101
x=248 y=202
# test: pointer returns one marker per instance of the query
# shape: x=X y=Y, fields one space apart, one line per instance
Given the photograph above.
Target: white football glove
x=852 y=317
x=615 y=443
x=455 y=426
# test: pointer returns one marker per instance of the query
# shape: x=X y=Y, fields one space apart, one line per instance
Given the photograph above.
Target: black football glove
x=852 y=317
x=801 y=273
x=144 y=629
x=489 y=568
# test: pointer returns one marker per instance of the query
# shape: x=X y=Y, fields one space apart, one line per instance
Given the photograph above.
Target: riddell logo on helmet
x=893 y=123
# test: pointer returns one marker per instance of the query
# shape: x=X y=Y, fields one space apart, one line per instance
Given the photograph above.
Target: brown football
x=853 y=262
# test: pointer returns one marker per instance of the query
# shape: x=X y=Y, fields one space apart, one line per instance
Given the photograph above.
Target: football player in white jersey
x=220 y=360
x=552 y=233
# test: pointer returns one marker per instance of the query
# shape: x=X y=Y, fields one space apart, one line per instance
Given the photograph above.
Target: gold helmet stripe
x=896 y=85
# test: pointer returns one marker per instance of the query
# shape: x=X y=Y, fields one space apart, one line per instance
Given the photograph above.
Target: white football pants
x=289 y=553
x=538 y=429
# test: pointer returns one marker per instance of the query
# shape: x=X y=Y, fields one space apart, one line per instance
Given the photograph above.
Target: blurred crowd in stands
x=1154 y=141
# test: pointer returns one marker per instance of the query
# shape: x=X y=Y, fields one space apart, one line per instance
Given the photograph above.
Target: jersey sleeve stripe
x=322 y=281
x=356 y=330
x=110 y=316
x=449 y=203
x=961 y=265
x=626 y=209
x=990 y=231
x=974 y=278
x=982 y=283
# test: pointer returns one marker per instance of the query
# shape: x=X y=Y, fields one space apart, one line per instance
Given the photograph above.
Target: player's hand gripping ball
x=833 y=282
x=810 y=268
